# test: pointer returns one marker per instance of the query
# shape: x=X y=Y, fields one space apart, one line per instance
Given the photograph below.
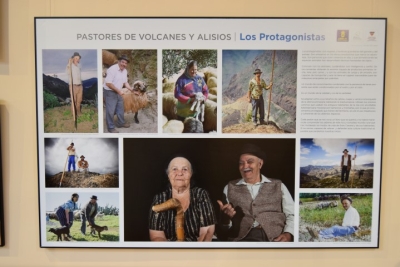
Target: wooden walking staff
x=355 y=155
x=270 y=90
x=72 y=95
x=173 y=203
x=65 y=165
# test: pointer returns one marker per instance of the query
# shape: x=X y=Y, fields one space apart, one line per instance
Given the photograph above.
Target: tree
x=175 y=60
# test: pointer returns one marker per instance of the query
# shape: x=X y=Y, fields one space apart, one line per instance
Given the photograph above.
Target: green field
x=331 y=216
x=112 y=234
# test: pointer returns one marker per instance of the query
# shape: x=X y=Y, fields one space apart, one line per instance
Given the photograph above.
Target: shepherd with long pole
x=75 y=86
x=72 y=154
x=255 y=96
x=355 y=155
x=71 y=92
x=272 y=80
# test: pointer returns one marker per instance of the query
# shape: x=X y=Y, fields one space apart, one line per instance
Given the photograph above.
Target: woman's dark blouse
x=200 y=213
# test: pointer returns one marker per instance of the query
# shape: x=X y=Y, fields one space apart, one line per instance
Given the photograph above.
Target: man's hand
x=120 y=92
x=284 y=237
x=227 y=209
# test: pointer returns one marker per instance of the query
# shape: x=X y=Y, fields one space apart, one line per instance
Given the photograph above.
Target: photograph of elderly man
x=259 y=91
x=64 y=170
x=341 y=217
x=129 y=91
x=259 y=208
x=70 y=91
x=194 y=175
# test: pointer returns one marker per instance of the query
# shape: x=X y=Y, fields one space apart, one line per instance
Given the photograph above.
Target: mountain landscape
x=330 y=177
x=59 y=89
x=238 y=69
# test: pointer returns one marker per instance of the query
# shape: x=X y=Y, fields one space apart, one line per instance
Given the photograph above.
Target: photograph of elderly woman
x=189 y=91
x=187 y=189
x=259 y=91
x=82 y=162
x=70 y=91
x=341 y=217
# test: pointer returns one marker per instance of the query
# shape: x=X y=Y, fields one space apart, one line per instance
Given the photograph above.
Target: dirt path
x=147 y=122
x=249 y=127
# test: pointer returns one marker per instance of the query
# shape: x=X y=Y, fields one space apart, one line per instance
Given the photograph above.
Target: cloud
x=101 y=153
x=364 y=159
x=325 y=162
x=331 y=146
x=304 y=150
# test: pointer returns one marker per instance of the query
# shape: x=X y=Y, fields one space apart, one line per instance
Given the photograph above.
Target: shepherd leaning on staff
x=255 y=96
x=75 y=82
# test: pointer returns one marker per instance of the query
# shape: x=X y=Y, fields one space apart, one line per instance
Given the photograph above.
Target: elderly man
x=88 y=213
x=75 y=81
x=350 y=224
x=345 y=164
x=116 y=79
x=255 y=96
x=260 y=208
x=83 y=164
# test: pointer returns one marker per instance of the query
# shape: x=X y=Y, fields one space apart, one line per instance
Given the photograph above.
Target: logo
x=357 y=36
x=371 y=36
x=342 y=36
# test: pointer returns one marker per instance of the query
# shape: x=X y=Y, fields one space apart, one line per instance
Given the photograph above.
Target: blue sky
x=55 y=62
x=55 y=199
x=328 y=152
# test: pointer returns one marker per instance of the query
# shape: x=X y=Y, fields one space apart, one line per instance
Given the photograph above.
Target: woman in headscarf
x=65 y=213
x=186 y=88
x=199 y=216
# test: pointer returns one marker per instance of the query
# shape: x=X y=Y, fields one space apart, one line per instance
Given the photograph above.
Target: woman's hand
x=157 y=235
x=206 y=233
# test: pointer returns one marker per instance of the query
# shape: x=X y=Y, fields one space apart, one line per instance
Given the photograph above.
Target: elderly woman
x=65 y=213
x=186 y=88
x=199 y=216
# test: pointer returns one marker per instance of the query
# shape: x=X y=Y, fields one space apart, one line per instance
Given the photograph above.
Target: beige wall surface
x=18 y=130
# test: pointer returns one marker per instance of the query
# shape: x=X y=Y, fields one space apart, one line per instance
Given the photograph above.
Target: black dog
x=59 y=231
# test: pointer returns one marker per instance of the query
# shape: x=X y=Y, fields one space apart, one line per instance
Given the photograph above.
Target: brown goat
x=136 y=100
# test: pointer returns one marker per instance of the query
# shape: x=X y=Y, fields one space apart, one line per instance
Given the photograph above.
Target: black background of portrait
x=215 y=163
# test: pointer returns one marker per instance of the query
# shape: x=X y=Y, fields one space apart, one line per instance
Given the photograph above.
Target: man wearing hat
x=116 y=79
x=88 y=213
x=71 y=156
x=75 y=81
x=350 y=224
x=259 y=208
x=255 y=96
x=345 y=164
x=83 y=164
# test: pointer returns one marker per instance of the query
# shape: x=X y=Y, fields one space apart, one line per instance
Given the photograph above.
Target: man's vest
x=266 y=208
x=348 y=162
